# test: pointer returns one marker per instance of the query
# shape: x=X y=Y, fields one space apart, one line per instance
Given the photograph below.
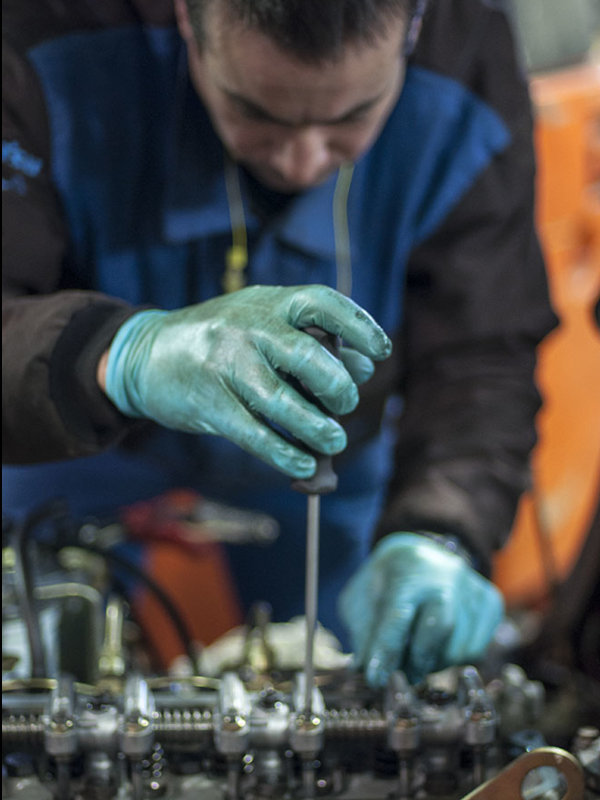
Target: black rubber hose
x=22 y=539
x=169 y=607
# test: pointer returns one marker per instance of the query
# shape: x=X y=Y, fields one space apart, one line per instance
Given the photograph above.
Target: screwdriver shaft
x=311 y=592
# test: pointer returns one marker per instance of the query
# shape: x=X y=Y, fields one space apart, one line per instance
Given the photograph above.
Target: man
x=295 y=147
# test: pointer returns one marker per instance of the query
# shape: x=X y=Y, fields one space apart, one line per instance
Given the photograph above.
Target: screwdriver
x=323 y=481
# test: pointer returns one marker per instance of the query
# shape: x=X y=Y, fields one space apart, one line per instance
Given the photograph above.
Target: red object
x=183 y=558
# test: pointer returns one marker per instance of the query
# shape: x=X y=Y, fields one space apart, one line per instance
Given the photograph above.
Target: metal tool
x=322 y=482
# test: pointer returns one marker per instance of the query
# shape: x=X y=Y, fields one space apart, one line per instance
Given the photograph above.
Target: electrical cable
x=24 y=581
x=341 y=230
x=56 y=511
x=165 y=601
x=236 y=257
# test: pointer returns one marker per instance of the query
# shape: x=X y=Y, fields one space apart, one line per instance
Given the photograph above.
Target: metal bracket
x=507 y=784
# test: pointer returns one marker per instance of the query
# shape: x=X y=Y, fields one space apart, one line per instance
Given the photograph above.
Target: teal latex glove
x=220 y=367
x=417 y=607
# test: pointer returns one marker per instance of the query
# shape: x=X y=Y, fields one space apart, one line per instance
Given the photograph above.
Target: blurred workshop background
x=562 y=54
x=553 y=558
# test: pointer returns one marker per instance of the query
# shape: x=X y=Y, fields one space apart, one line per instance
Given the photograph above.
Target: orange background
x=554 y=517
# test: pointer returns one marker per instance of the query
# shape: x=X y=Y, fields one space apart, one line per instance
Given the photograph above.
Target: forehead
x=248 y=63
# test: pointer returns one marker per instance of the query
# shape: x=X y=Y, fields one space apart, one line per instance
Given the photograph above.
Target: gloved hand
x=220 y=367
x=417 y=607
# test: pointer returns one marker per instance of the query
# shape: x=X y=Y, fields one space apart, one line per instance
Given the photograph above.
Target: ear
x=184 y=23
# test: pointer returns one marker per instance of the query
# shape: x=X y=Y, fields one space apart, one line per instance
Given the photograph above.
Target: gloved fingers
x=338 y=314
x=487 y=618
x=356 y=605
x=360 y=367
x=478 y=618
x=321 y=373
x=389 y=640
x=243 y=428
x=268 y=395
x=428 y=639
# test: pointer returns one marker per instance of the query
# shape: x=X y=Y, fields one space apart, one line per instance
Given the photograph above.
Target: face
x=290 y=123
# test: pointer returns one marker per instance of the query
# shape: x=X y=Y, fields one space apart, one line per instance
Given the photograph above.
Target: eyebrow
x=259 y=111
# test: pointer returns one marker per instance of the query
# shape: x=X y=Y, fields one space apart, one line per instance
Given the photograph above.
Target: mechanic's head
x=295 y=88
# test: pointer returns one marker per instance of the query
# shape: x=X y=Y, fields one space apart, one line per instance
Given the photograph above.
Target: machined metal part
x=111 y=659
x=509 y=782
x=313 y=505
x=587 y=749
x=257 y=730
x=438 y=740
x=231 y=721
x=136 y=733
x=61 y=733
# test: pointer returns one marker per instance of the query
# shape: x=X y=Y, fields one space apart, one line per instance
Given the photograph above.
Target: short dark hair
x=312 y=30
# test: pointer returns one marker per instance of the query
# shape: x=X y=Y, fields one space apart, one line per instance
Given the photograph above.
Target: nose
x=303 y=157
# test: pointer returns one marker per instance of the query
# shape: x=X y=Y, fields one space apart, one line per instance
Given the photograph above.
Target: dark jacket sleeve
x=477 y=307
x=52 y=334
